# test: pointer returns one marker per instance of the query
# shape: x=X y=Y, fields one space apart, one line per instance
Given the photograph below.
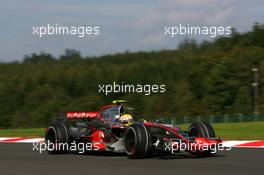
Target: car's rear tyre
x=137 y=141
x=57 y=138
x=202 y=129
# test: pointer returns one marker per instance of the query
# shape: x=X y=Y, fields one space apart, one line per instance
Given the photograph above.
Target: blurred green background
x=202 y=79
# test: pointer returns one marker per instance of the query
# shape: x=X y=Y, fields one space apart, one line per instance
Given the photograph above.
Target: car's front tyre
x=202 y=129
x=137 y=141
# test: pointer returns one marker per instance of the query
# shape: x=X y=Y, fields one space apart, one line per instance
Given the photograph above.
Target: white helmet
x=126 y=119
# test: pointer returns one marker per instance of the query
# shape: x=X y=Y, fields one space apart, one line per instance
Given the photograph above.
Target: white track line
x=230 y=143
x=233 y=143
x=31 y=140
x=7 y=138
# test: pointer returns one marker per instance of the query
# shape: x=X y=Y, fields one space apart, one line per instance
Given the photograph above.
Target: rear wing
x=81 y=115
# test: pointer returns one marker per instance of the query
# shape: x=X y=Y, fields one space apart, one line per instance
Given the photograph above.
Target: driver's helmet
x=126 y=119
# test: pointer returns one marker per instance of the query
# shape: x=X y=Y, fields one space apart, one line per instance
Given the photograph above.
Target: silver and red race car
x=112 y=129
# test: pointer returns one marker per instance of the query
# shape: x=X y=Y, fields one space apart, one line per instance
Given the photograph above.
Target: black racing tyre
x=210 y=129
x=201 y=129
x=57 y=138
x=137 y=141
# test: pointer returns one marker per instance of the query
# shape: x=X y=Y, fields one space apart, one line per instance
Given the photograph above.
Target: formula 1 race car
x=112 y=129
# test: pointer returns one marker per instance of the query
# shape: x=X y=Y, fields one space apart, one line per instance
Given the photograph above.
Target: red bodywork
x=98 y=136
x=79 y=115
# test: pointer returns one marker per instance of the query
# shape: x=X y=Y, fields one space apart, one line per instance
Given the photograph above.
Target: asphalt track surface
x=18 y=158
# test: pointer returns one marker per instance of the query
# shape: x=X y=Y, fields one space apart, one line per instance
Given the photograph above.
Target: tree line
x=207 y=78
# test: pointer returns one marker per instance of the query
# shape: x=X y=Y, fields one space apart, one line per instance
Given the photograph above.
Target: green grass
x=36 y=132
x=228 y=131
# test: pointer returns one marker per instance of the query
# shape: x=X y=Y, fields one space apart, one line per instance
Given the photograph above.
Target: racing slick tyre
x=57 y=138
x=211 y=132
x=201 y=129
x=137 y=141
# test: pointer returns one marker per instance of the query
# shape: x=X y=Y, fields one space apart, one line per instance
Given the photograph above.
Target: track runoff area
x=230 y=143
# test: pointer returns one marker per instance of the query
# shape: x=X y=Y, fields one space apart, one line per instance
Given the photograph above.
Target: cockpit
x=117 y=114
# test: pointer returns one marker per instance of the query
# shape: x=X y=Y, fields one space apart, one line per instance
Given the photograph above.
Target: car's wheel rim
x=130 y=141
